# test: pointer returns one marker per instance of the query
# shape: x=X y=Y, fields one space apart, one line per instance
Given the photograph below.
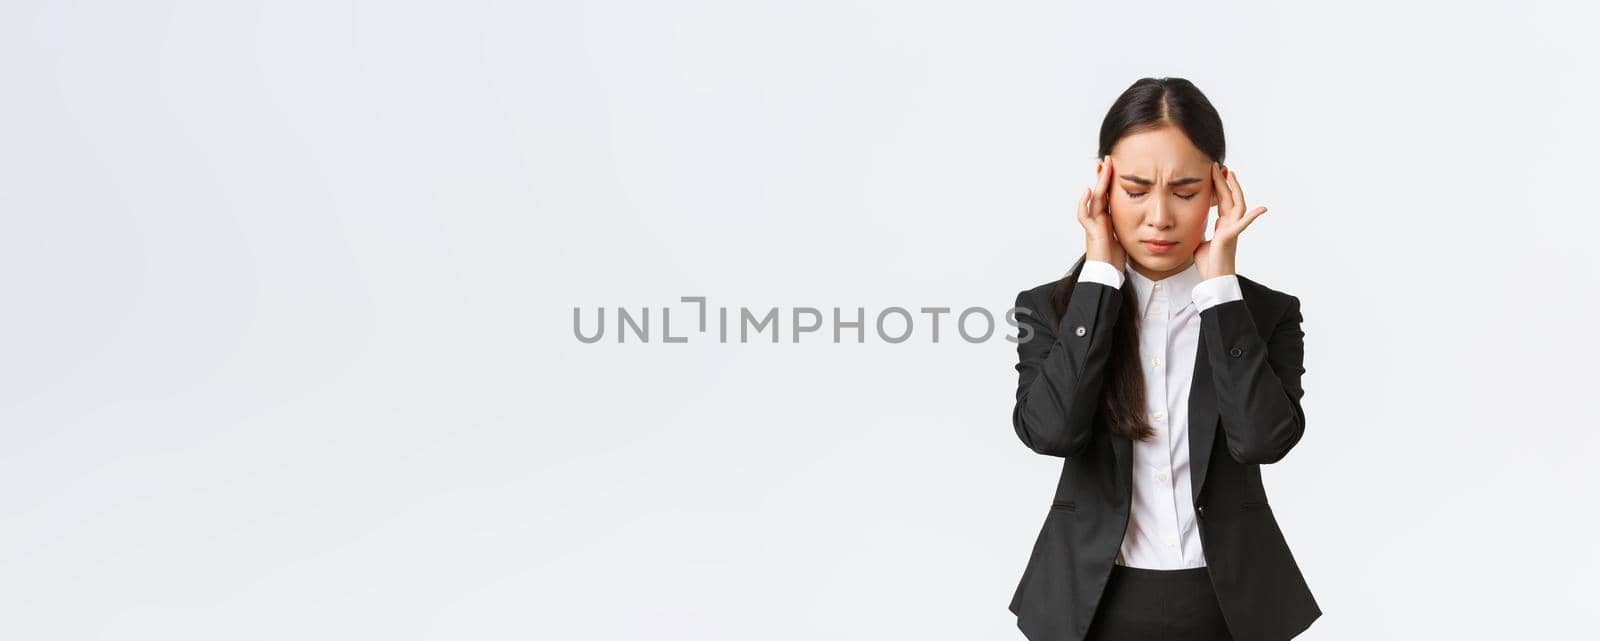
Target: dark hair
x=1150 y=103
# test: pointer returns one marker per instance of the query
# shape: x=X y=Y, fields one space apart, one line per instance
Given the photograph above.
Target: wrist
x=1216 y=268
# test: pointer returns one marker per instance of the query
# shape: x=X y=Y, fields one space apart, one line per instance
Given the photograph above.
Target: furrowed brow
x=1140 y=180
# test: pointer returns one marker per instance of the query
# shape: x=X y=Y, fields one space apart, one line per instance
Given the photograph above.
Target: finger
x=1254 y=214
x=1083 y=204
x=1102 y=185
x=1233 y=187
x=1219 y=184
x=1105 y=185
x=1099 y=167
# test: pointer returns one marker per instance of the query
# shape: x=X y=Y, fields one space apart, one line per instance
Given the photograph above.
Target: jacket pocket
x=1252 y=504
x=1065 y=506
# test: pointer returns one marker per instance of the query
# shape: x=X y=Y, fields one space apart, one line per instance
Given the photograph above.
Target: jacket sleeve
x=1257 y=382
x=1061 y=367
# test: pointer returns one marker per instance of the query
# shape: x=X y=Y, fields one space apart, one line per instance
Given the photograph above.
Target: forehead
x=1159 y=153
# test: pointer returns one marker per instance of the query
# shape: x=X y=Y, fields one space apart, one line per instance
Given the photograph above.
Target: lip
x=1158 y=247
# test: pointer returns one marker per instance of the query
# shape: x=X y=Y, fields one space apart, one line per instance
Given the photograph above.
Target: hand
x=1100 y=240
x=1215 y=257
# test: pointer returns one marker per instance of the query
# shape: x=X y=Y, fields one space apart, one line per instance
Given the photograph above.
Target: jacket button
x=1201 y=511
x=1081 y=331
x=1235 y=352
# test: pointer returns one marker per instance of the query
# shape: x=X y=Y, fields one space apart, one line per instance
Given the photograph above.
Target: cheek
x=1195 y=222
x=1124 y=209
x=1124 y=221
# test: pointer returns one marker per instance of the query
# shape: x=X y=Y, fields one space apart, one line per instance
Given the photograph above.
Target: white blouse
x=1161 y=522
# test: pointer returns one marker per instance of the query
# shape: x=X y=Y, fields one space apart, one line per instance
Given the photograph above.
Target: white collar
x=1178 y=288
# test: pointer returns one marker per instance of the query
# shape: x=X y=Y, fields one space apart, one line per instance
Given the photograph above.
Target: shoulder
x=1035 y=302
x=1265 y=300
x=1039 y=296
x=1040 y=292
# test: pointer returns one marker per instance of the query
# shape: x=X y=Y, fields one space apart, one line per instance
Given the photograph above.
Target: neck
x=1158 y=275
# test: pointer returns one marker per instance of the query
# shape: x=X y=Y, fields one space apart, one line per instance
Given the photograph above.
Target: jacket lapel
x=1202 y=423
x=1202 y=431
x=1202 y=420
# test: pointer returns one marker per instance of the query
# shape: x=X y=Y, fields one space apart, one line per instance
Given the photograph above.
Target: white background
x=287 y=350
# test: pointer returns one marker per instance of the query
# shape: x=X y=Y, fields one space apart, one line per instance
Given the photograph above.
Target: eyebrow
x=1147 y=182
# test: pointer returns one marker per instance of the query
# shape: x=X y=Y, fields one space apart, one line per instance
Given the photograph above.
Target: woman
x=1163 y=380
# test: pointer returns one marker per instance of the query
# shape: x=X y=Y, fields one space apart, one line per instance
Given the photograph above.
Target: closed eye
x=1183 y=196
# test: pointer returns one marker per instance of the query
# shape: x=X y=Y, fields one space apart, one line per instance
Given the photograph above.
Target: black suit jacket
x=1246 y=384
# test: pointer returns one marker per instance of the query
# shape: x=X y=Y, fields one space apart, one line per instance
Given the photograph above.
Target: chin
x=1170 y=260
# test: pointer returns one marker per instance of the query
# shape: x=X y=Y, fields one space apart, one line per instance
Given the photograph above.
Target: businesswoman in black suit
x=1164 y=380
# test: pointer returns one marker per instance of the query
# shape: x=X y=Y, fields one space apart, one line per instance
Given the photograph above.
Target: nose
x=1160 y=217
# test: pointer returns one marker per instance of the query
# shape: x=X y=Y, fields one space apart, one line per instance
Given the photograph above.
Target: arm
x=1059 y=372
x=1257 y=382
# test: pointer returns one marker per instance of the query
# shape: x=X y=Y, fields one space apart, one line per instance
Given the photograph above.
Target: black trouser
x=1142 y=604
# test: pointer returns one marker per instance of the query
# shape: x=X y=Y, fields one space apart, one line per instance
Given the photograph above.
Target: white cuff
x=1099 y=271
x=1216 y=291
